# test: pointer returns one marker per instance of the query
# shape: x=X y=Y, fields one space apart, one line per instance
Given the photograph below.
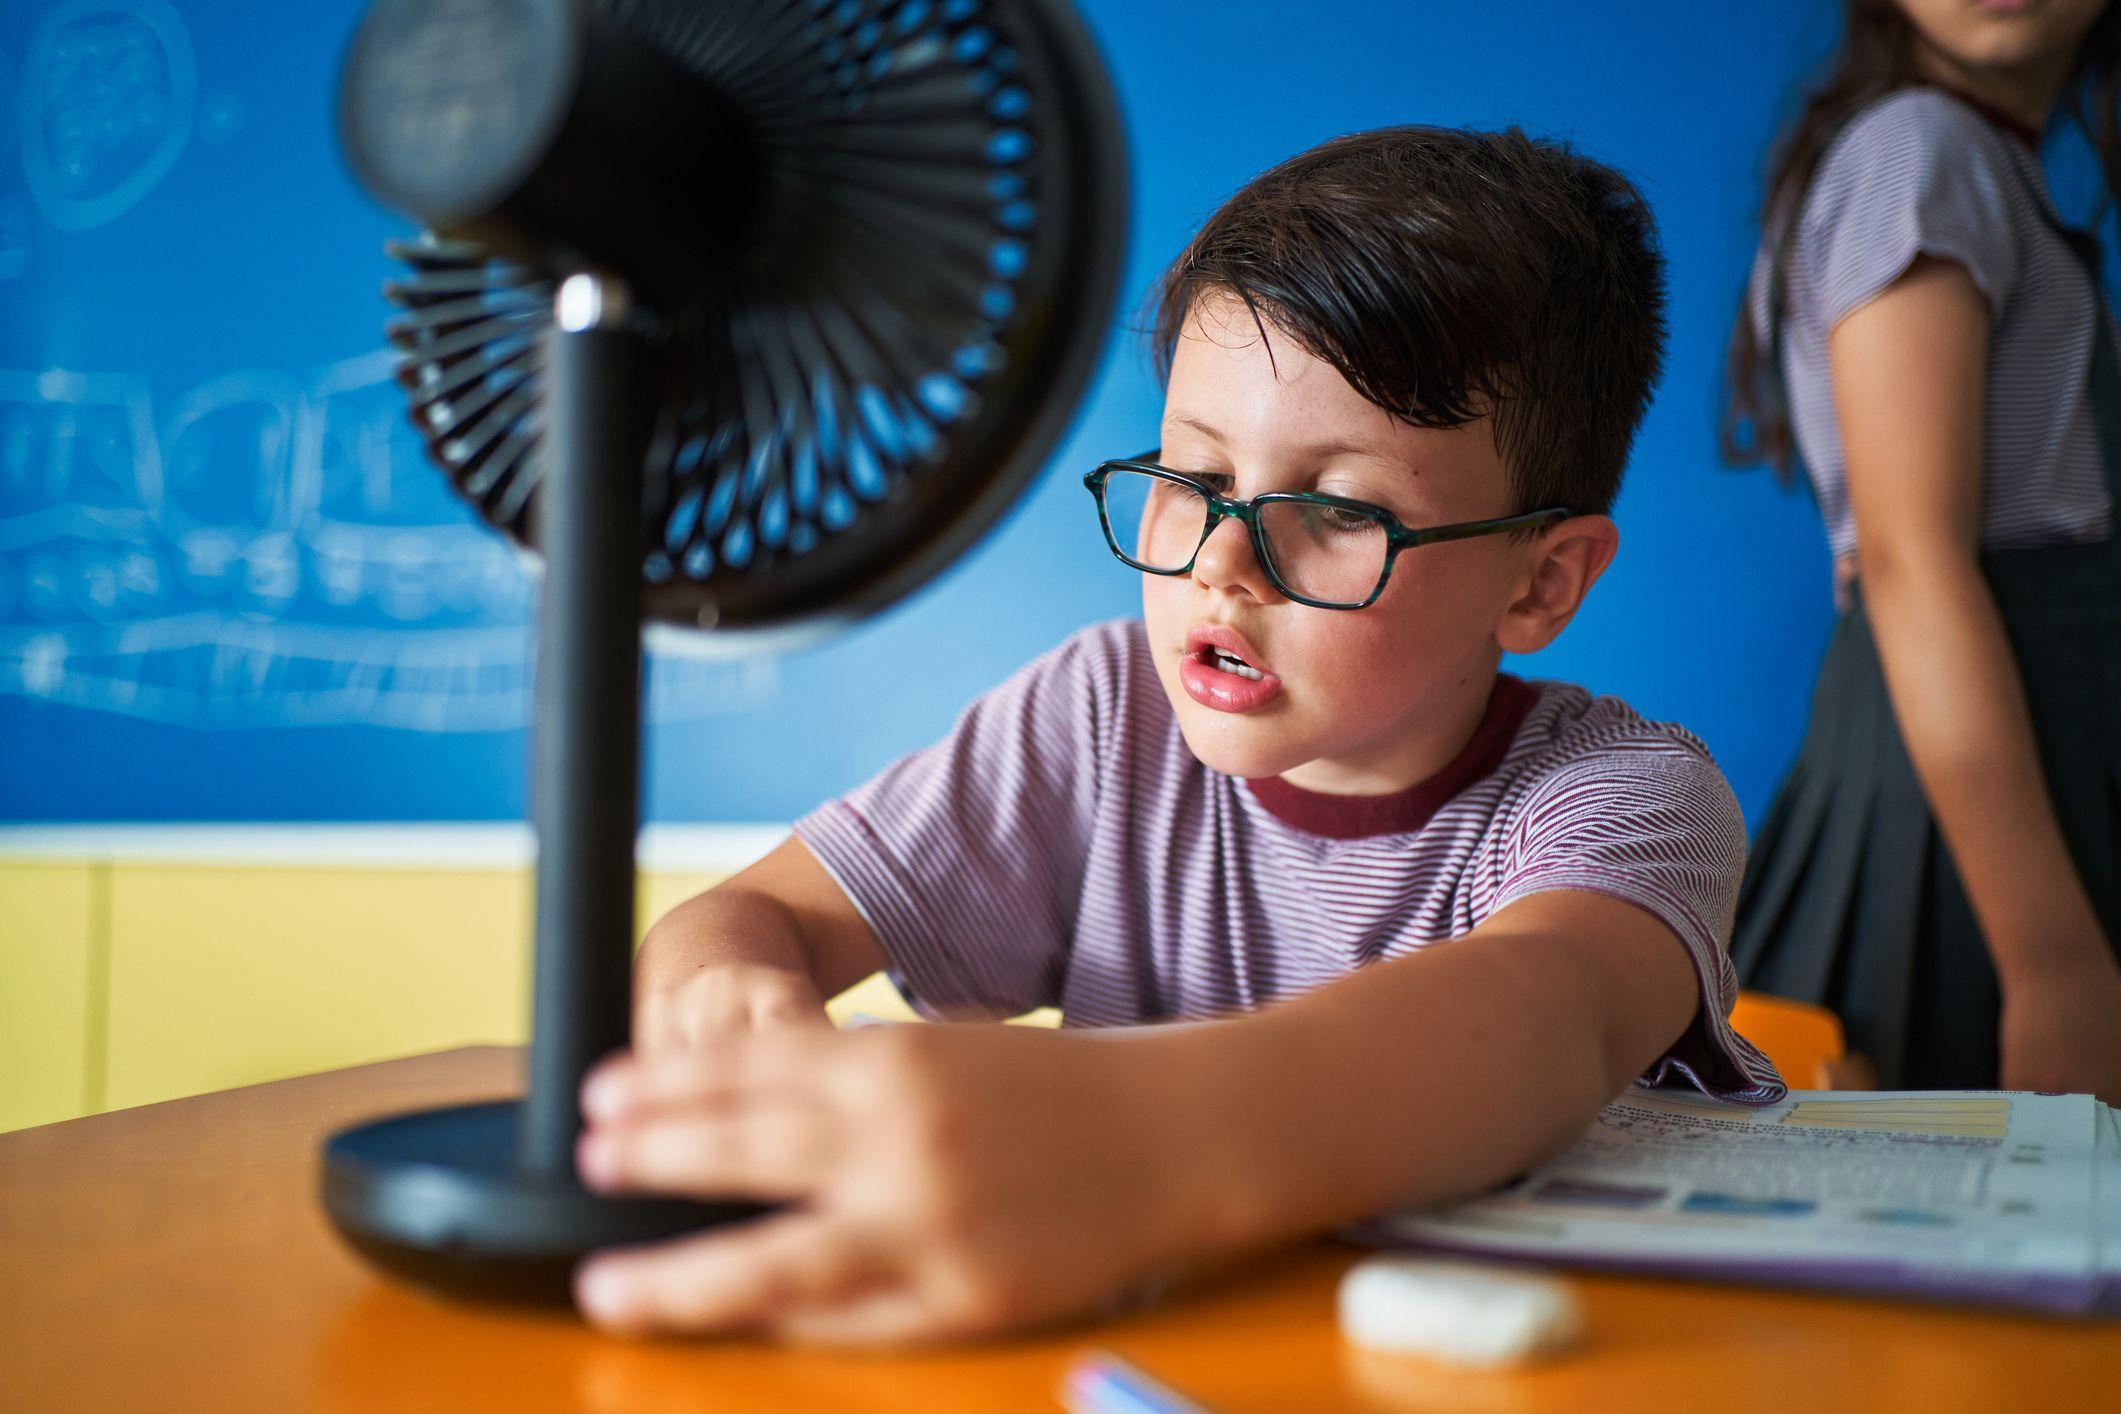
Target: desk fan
x=746 y=315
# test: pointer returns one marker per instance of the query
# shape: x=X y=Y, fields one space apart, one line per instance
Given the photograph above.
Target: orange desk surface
x=173 y=1257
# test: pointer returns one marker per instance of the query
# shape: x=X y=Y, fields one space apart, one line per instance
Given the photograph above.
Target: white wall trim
x=715 y=849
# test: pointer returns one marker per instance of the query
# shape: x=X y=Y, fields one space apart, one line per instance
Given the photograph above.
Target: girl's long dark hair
x=1876 y=57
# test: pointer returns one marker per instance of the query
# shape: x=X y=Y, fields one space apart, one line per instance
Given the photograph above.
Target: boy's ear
x=1564 y=563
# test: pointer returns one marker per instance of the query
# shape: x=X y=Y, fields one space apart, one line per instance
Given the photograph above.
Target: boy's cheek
x=1162 y=606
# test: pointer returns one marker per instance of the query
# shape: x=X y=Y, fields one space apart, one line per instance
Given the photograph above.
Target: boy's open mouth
x=1230 y=663
x=1224 y=671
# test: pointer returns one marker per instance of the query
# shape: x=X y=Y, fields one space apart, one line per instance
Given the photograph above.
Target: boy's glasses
x=1325 y=551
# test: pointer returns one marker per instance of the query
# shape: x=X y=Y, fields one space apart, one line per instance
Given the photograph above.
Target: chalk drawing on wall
x=108 y=93
x=14 y=211
x=267 y=549
x=14 y=236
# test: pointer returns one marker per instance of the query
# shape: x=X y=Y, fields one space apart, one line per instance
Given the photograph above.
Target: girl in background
x=1942 y=865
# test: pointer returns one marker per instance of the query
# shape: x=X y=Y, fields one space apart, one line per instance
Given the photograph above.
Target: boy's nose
x=1226 y=561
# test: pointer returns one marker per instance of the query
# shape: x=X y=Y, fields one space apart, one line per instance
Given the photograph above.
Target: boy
x=1478 y=907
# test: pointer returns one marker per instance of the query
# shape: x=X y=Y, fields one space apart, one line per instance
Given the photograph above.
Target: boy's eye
x=1334 y=518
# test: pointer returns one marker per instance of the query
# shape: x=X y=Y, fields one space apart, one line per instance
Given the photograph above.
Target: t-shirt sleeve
x=1916 y=174
x=966 y=857
x=1654 y=825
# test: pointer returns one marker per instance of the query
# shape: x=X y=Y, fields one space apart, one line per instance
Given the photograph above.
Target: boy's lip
x=1205 y=636
x=1215 y=689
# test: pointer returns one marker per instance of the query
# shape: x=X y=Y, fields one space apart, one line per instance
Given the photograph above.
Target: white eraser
x=1455 y=1311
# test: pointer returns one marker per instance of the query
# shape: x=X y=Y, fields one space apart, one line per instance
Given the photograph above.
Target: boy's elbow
x=1647 y=1001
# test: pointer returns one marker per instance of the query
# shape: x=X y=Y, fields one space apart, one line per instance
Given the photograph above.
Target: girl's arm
x=954 y=1180
x=764 y=947
x=1909 y=371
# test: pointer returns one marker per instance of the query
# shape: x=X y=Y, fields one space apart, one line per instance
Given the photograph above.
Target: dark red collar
x=2010 y=123
x=1351 y=817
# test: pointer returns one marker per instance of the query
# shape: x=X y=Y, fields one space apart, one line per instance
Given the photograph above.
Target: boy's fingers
x=778 y=1151
x=715 y=1068
x=792 y=1007
x=724 y=1002
x=730 y=1279
x=892 y=1314
x=762 y=998
x=652 y=1030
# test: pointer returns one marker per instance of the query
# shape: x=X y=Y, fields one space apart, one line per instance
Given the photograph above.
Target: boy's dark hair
x=1448 y=273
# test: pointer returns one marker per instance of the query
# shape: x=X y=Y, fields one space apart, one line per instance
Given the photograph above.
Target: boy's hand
x=720 y=999
x=944 y=1180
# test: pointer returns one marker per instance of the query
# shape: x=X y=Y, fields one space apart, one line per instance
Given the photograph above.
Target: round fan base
x=438 y=1197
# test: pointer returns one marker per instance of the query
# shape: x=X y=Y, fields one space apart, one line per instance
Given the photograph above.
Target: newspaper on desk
x=2001 y=1196
x=2108 y=1298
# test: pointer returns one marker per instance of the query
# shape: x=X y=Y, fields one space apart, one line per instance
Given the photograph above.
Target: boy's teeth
x=1231 y=663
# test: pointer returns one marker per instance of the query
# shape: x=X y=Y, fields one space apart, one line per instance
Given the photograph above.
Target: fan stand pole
x=482 y=1199
x=586 y=737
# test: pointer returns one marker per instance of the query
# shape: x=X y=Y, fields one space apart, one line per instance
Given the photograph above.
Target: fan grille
x=869 y=381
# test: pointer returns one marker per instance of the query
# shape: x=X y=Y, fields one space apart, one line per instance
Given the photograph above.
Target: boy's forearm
x=1413 y=1081
x=720 y=927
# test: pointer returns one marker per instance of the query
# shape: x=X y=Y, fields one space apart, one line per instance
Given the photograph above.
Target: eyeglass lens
x=1319 y=552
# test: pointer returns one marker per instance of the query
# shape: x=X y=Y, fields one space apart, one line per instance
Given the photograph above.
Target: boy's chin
x=1250 y=760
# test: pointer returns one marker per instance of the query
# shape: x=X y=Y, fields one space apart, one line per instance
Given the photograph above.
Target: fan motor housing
x=546 y=132
x=870 y=246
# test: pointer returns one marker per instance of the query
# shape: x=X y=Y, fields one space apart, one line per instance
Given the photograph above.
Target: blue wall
x=311 y=628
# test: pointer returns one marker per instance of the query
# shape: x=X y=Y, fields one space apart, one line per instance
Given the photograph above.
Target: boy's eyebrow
x=1316 y=451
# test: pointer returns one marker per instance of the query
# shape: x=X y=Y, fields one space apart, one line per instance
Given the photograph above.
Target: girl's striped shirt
x=1922 y=173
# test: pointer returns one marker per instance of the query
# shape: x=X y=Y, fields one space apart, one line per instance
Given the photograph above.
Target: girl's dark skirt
x=1851 y=899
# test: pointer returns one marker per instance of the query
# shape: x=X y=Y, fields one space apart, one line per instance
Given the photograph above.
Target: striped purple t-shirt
x=1063 y=847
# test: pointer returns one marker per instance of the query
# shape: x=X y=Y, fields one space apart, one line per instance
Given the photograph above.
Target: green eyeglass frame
x=1398 y=535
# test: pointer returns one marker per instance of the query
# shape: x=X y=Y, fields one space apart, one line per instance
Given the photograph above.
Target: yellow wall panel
x=226 y=975
x=47 y=1024
x=230 y=976
x=657 y=893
